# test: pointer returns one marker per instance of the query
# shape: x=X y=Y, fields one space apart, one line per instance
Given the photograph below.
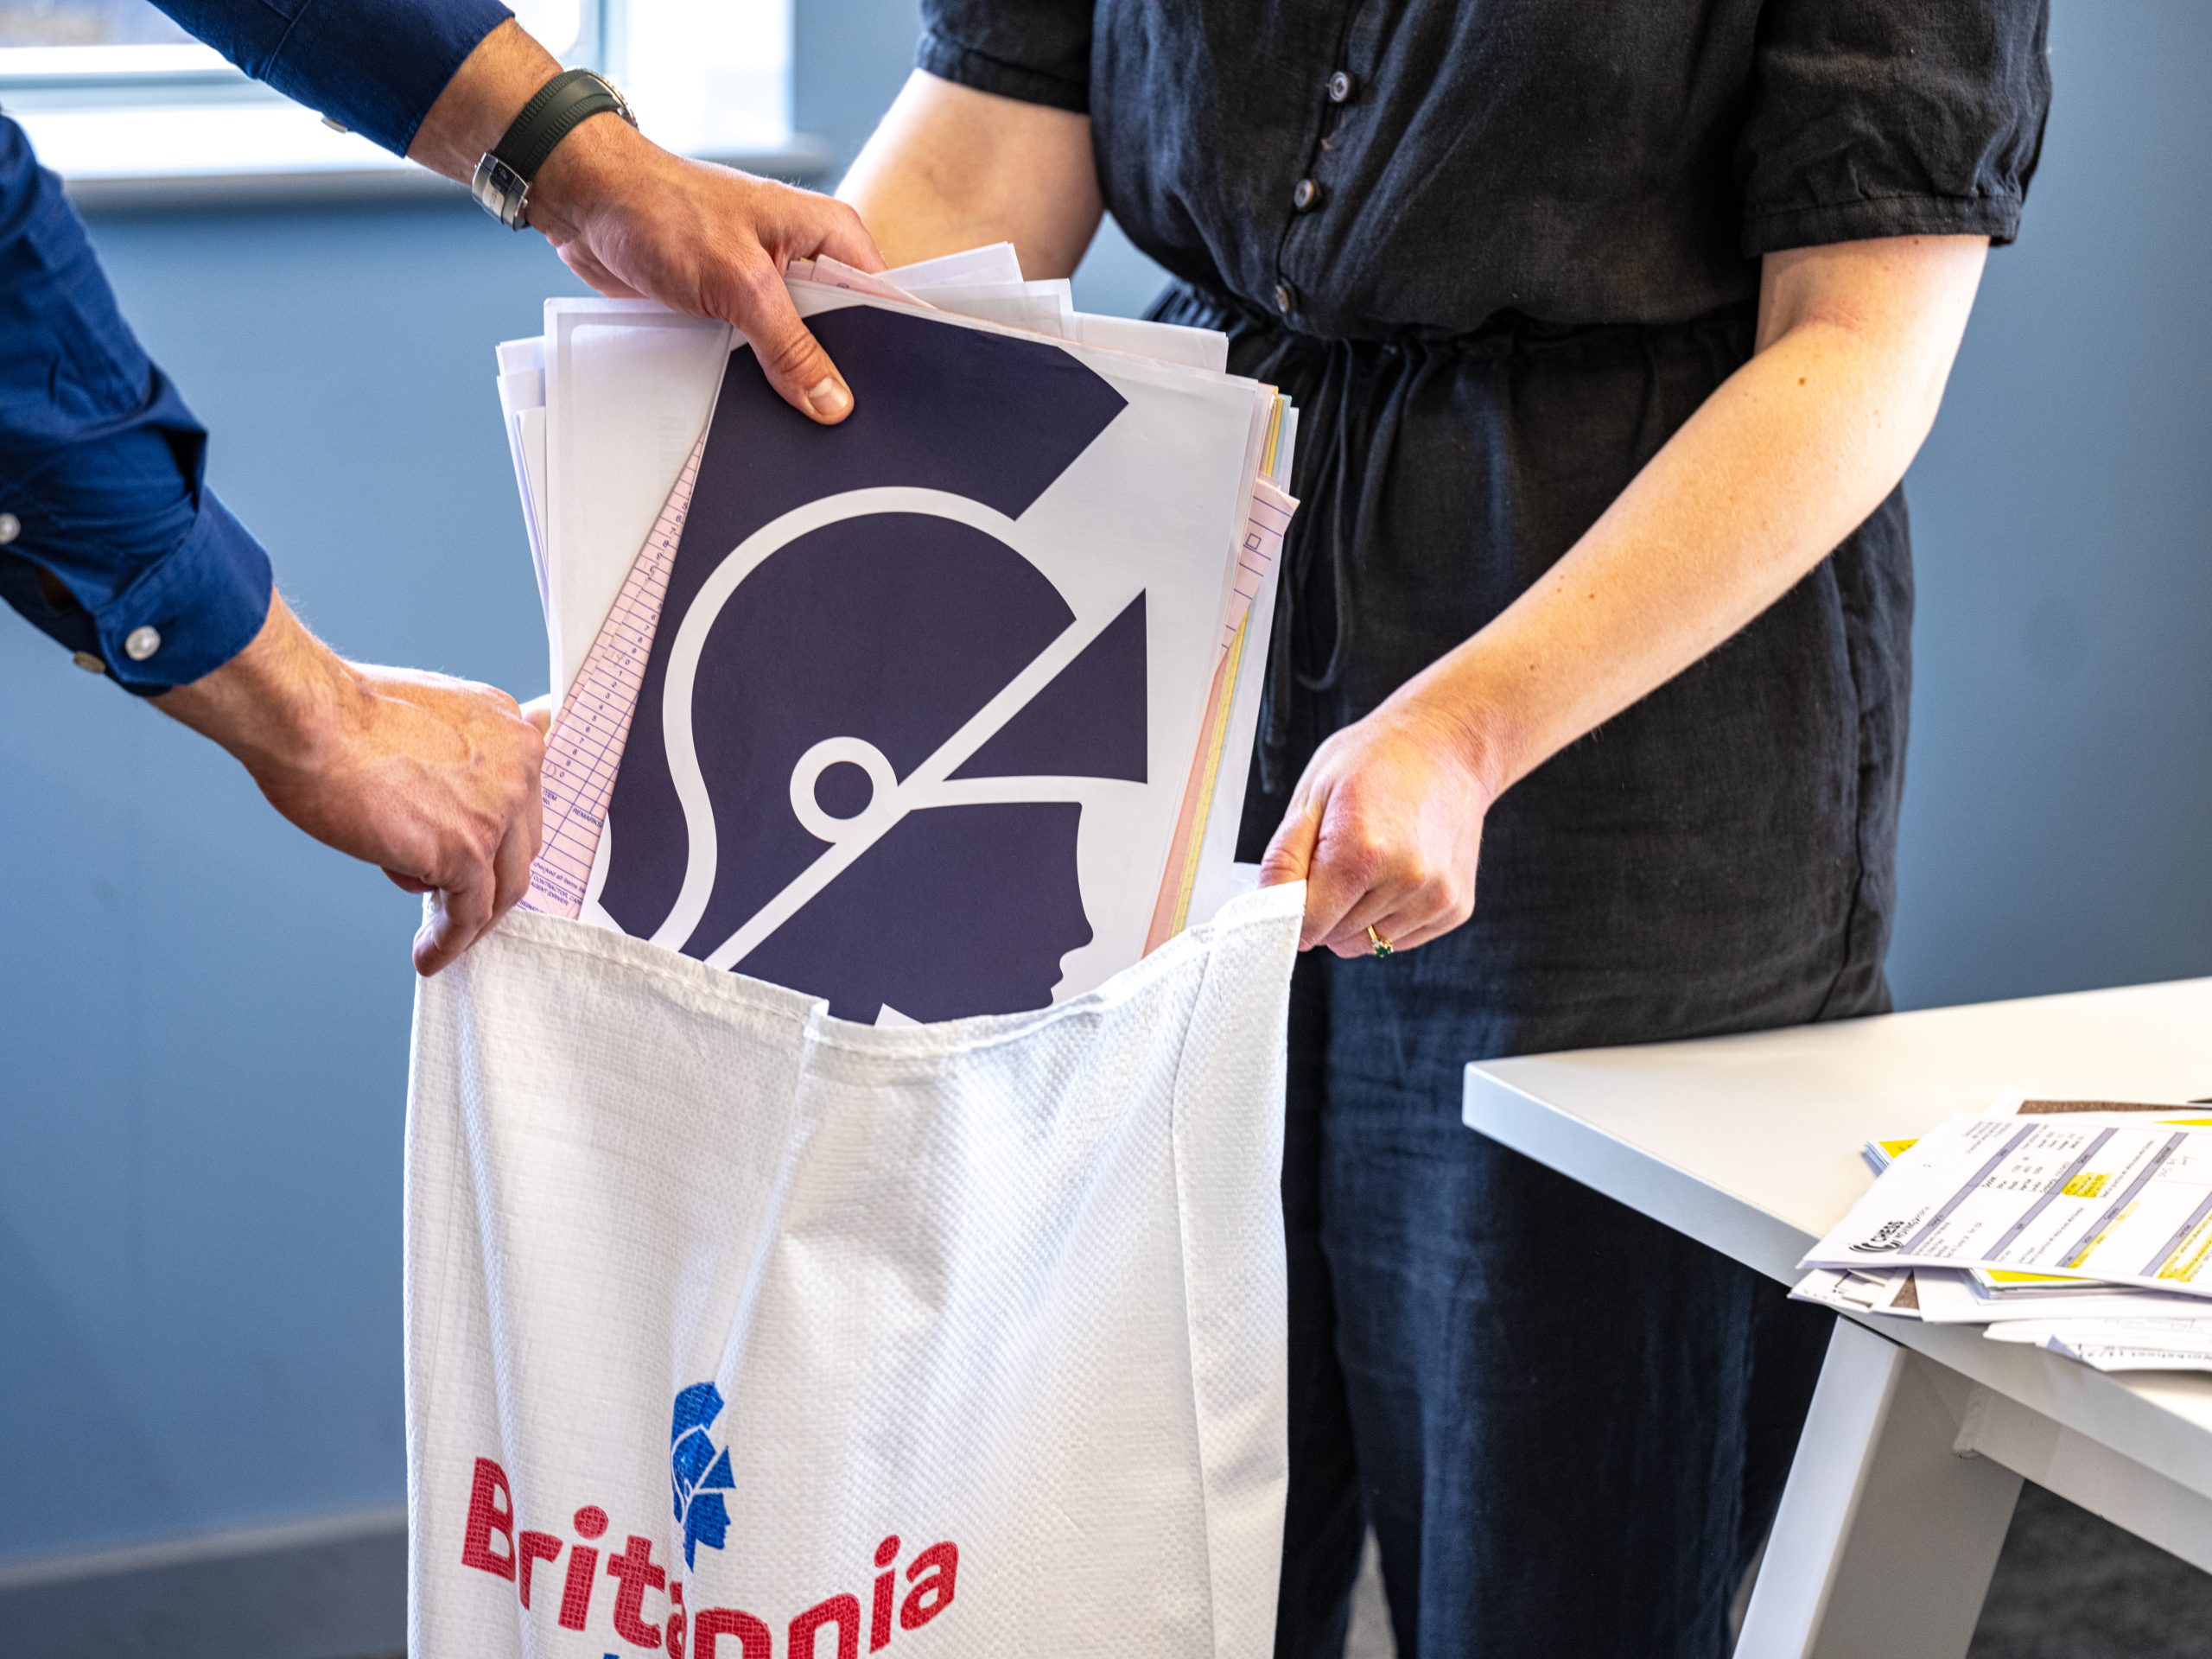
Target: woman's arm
x=1785 y=459
x=950 y=168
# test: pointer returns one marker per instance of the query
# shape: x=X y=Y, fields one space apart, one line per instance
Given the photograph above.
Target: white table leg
x=1887 y=1537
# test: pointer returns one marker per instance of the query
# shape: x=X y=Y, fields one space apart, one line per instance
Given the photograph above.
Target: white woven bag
x=735 y=1331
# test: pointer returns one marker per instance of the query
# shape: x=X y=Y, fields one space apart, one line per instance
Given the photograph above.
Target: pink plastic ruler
x=585 y=747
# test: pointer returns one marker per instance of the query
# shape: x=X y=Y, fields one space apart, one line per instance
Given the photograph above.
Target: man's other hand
x=635 y=221
x=433 y=778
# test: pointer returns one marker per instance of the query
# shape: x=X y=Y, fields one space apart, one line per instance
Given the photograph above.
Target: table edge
x=2092 y=1403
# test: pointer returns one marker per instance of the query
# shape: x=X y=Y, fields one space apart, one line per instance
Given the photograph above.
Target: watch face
x=503 y=192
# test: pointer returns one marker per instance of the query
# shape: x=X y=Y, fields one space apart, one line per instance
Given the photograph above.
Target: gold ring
x=1383 y=946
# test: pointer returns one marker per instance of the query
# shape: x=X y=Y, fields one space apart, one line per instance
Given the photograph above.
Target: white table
x=1919 y=1436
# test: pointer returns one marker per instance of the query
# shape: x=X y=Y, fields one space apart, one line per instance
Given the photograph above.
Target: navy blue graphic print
x=893 y=629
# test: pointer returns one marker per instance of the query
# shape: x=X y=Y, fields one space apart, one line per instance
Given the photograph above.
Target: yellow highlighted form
x=2186 y=1264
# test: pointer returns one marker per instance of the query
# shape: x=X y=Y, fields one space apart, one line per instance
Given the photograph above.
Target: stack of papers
x=942 y=711
x=2084 y=1227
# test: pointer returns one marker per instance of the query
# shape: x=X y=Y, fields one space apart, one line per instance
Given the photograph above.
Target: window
x=104 y=40
x=123 y=103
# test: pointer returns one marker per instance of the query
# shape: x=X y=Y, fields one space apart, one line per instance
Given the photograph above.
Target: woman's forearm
x=1781 y=463
x=950 y=168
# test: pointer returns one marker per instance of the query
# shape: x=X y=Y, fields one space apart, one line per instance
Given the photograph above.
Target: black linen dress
x=1499 y=252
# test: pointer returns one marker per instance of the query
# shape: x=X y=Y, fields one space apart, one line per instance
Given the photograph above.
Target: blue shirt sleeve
x=109 y=540
x=374 y=65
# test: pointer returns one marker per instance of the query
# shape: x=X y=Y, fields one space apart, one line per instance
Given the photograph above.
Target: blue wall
x=203 y=1016
x=2059 y=790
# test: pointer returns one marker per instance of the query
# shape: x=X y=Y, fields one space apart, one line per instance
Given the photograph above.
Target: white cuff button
x=11 y=527
x=141 y=643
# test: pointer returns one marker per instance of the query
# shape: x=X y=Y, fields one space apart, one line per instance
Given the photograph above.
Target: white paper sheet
x=1191 y=437
x=608 y=368
x=522 y=409
x=1948 y=1297
x=2095 y=1197
x=628 y=385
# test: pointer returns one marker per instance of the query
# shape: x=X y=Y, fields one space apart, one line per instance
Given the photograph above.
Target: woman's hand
x=1384 y=830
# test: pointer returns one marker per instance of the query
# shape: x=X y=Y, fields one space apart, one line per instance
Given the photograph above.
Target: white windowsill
x=254 y=150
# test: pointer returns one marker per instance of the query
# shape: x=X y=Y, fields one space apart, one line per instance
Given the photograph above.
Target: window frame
x=152 y=70
x=179 y=126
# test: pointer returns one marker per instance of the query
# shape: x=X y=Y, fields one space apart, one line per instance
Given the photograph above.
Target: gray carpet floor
x=2072 y=1586
x=2069 y=1586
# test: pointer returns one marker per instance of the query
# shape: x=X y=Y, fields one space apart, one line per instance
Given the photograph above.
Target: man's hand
x=637 y=222
x=434 y=780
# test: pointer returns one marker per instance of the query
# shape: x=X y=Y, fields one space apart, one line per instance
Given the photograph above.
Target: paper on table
x=2089 y=1196
x=1949 y=1297
x=2022 y=1102
x=2109 y=1358
x=2120 y=1345
x=1844 y=1291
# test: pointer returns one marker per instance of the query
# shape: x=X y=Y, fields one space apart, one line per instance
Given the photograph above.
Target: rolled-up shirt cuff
x=190 y=611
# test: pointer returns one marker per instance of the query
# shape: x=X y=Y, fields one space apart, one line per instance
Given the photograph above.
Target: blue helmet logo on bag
x=699 y=1470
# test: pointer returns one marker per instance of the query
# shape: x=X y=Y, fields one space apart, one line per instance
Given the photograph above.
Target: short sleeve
x=1037 y=51
x=1892 y=117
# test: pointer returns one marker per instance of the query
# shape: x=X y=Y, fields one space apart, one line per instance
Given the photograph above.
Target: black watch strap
x=571 y=97
x=503 y=176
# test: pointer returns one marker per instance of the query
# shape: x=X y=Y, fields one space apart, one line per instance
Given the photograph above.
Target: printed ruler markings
x=585 y=749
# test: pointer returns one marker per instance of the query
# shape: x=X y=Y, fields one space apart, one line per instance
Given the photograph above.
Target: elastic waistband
x=1502 y=334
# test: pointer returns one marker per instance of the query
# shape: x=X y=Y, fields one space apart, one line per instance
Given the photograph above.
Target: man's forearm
x=481 y=101
x=1782 y=461
x=279 y=702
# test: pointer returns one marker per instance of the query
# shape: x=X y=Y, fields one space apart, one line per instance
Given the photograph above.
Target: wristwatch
x=503 y=177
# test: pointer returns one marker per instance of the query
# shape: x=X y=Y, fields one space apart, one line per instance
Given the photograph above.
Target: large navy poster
x=850 y=770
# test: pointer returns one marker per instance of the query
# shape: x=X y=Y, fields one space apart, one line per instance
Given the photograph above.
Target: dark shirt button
x=1341 y=87
x=1307 y=196
x=1285 y=298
